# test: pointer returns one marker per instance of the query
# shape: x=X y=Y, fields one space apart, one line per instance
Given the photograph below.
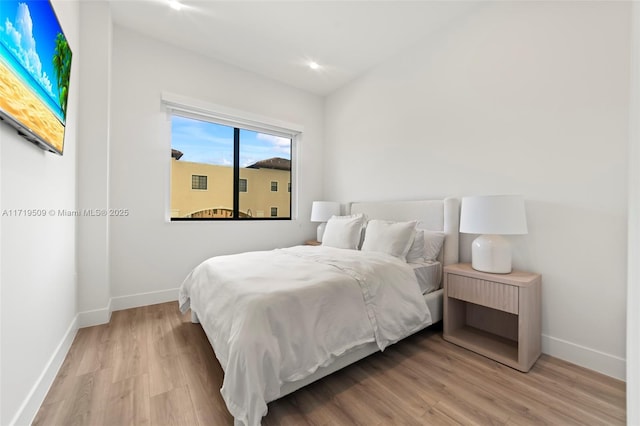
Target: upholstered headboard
x=435 y=215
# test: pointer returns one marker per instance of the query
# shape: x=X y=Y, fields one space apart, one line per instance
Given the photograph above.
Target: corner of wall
x=94 y=290
x=95 y=316
x=633 y=273
x=103 y=315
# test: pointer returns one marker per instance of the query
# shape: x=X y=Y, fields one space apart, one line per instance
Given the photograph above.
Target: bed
x=282 y=319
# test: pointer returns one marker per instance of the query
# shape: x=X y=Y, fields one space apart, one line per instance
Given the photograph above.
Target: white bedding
x=275 y=317
x=428 y=274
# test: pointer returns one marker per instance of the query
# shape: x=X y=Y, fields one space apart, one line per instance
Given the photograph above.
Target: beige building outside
x=201 y=190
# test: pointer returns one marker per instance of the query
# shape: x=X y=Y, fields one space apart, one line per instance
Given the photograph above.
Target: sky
x=28 y=29
x=210 y=143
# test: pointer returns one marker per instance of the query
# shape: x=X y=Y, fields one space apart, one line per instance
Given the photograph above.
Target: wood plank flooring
x=151 y=366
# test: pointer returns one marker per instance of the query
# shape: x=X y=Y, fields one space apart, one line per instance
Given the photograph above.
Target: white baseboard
x=143 y=299
x=592 y=359
x=29 y=408
x=95 y=317
x=103 y=315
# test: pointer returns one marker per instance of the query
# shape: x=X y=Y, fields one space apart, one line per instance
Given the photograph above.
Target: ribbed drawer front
x=486 y=293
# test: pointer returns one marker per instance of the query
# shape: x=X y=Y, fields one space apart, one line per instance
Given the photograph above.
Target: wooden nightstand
x=495 y=315
x=312 y=243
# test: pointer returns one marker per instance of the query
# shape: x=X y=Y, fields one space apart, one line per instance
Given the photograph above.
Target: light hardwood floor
x=151 y=366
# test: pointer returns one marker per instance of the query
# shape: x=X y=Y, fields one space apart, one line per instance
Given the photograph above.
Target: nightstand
x=312 y=243
x=495 y=315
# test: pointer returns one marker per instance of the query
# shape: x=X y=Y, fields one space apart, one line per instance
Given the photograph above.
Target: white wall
x=38 y=255
x=149 y=254
x=633 y=282
x=94 y=292
x=515 y=97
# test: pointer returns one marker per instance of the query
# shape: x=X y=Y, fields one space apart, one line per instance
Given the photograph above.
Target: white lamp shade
x=321 y=211
x=493 y=214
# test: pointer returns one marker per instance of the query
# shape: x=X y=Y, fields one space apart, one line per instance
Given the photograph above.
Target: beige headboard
x=435 y=215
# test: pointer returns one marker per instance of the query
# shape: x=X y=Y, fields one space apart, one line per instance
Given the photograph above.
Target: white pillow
x=343 y=231
x=426 y=246
x=433 y=241
x=416 y=251
x=393 y=238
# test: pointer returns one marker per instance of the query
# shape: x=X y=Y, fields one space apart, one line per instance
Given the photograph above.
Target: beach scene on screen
x=35 y=63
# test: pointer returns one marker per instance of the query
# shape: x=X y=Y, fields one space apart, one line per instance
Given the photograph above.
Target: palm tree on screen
x=62 y=68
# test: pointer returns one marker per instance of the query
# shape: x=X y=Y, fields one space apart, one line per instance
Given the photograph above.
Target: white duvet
x=277 y=316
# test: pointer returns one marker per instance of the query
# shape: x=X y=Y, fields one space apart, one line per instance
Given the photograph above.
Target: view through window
x=225 y=172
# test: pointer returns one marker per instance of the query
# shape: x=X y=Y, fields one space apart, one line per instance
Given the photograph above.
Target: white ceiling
x=277 y=39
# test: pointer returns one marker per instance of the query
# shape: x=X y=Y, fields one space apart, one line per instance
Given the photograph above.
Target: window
x=221 y=159
x=198 y=182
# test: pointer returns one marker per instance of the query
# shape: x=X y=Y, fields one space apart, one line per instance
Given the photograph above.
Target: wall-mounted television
x=35 y=68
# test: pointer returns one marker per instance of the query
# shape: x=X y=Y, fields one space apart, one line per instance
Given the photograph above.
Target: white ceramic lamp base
x=491 y=253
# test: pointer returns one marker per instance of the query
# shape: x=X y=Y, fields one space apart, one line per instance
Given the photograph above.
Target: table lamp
x=321 y=211
x=492 y=216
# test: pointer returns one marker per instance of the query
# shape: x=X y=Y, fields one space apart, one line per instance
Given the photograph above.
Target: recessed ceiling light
x=175 y=4
x=314 y=65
